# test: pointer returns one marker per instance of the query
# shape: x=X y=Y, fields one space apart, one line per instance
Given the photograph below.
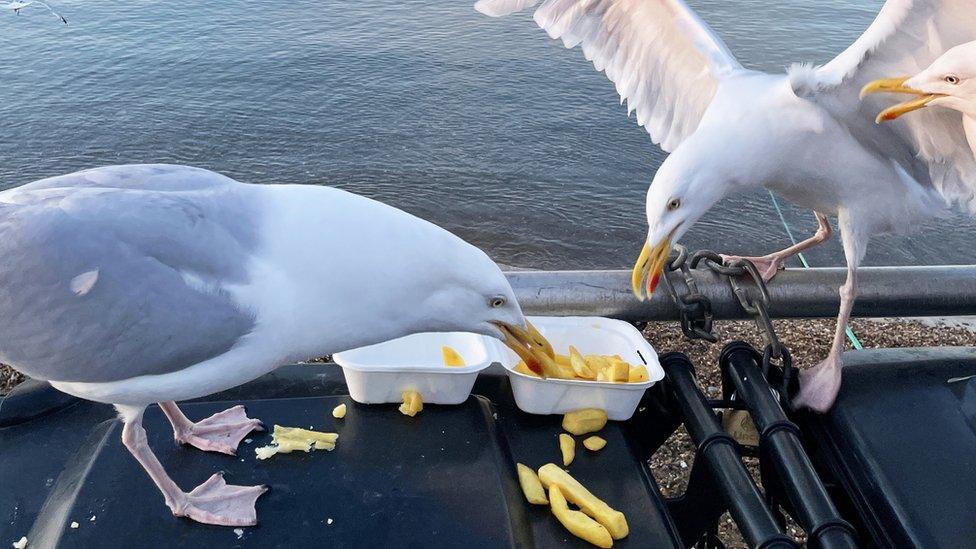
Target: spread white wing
x=665 y=61
x=905 y=38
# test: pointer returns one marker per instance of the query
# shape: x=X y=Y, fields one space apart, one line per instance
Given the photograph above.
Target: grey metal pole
x=794 y=293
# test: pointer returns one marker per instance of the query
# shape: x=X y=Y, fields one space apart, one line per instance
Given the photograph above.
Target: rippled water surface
x=484 y=126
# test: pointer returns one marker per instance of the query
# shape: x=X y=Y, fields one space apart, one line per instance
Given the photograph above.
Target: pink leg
x=221 y=432
x=213 y=502
x=819 y=385
x=769 y=265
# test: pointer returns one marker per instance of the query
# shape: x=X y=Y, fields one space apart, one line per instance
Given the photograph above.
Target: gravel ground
x=808 y=341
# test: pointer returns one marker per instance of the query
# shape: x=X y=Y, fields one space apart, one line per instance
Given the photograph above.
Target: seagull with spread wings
x=806 y=135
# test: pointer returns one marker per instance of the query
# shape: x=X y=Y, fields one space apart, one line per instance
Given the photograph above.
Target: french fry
x=553 y=369
x=522 y=368
x=576 y=522
x=563 y=360
x=531 y=487
x=621 y=371
x=614 y=521
x=580 y=368
x=412 y=403
x=451 y=357
x=295 y=433
x=638 y=374
x=587 y=420
x=339 y=411
x=568 y=448
x=596 y=362
x=594 y=443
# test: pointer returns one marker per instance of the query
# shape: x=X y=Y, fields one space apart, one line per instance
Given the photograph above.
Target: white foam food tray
x=590 y=335
x=380 y=373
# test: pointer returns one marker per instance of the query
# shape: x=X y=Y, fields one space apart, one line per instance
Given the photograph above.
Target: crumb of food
x=74 y=524
x=239 y=532
x=339 y=411
x=412 y=403
x=329 y=521
x=285 y=440
x=594 y=443
x=21 y=543
x=92 y=519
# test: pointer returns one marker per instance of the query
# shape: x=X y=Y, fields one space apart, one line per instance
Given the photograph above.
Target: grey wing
x=101 y=283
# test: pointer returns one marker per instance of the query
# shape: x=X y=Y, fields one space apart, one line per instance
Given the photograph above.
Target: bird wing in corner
x=665 y=61
x=905 y=38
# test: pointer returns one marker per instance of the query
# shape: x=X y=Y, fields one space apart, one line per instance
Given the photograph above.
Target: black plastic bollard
x=779 y=442
x=720 y=453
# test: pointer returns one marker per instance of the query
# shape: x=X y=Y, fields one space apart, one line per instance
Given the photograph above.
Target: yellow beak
x=530 y=346
x=649 y=267
x=897 y=85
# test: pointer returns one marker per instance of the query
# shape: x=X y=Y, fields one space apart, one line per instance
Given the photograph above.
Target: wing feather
x=664 y=61
x=905 y=38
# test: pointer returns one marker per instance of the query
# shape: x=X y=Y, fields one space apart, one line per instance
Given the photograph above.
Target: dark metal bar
x=794 y=293
x=779 y=442
x=721 y=455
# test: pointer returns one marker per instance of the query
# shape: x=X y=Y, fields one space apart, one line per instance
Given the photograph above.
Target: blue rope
x=851 y=336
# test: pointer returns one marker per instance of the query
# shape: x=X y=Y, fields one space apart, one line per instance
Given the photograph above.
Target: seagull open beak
x=649 y=267
x=897 y=85
x=530 y=345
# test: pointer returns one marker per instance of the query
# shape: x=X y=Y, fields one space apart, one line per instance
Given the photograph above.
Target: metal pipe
x=720 y=452
x=794 y=293
x=779 y=441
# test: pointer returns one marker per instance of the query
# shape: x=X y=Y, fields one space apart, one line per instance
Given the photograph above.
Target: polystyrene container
x=590 y=335
x=380 y=373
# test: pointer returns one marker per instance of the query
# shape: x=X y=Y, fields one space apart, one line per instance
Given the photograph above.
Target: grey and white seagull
x=132 y=285
x=803 y=134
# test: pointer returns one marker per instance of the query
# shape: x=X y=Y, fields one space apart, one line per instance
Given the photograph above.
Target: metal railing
x=794 y=293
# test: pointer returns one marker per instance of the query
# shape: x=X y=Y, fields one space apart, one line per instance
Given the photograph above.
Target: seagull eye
x=951 y=79
x=497 y=302
x=674 y=204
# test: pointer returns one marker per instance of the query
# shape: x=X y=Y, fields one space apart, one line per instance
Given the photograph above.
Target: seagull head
x=950 y=81
x=685 y=187
x=456 y=287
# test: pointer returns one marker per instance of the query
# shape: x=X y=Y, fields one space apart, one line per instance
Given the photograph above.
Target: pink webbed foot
x=819 y=385
x=768 y=265
x=221 y=432
x=216 y=502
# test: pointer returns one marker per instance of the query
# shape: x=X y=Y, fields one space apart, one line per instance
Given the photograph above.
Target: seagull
x=803 y=134
x=949 y=82
x=139 y=284
x=18 y=5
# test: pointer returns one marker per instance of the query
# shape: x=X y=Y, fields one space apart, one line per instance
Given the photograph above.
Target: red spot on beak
x=652 y=283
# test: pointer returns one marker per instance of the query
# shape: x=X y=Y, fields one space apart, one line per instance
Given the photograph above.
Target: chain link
x=753 y=296
x=694 y=308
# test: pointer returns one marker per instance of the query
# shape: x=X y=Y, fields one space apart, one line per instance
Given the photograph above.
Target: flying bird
x=18 y=5
x=140 y=284
x=949 y=82
x=805 y=134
